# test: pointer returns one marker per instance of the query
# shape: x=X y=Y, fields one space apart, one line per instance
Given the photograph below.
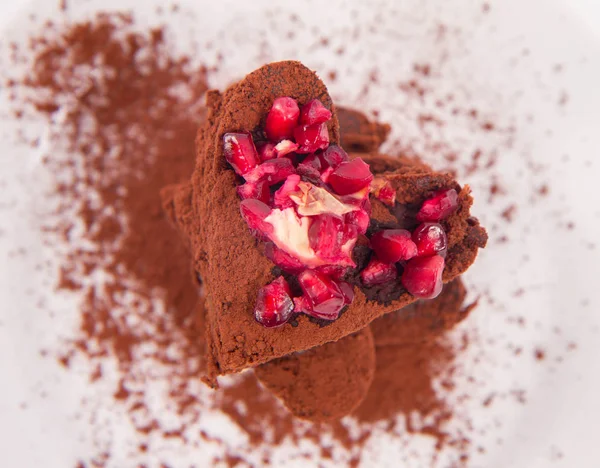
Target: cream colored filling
x=313 y=201
x=290 y=234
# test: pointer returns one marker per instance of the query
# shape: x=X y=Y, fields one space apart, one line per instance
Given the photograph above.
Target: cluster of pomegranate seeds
x=309 y=203
x=420 y=253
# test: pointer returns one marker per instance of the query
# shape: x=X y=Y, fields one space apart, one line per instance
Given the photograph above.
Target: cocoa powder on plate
x=109 y=180
x=128 y=130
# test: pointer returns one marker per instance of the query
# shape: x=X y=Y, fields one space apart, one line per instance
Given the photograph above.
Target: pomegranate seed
x=266 y=150
x=347 y=291
x=272 y=171
x=383 y=191
x=440 y=206
x=314 y=112
x=349 y=238
x=325 y=237
x=259 y=191
x=325 y=298
x=302 y=304
x=366 y=206
x=240 y=152
x=281 y=199
x=422 y=276
x=311 y=138
x=377 y=272
x=335 y=272
x=387 y=195
x=312 y=160
x=430 y=239
x=285 y=147
x=283 y=260
x=254 y=213
x=333 y=156
x=274 y=306
x=393 y=245
x=360 y=219
x=350 y=177
x=282 y=119
x=326 y=174
x=350 y=233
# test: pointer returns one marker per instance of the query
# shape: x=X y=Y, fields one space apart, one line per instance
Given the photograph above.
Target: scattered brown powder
x=128 y=130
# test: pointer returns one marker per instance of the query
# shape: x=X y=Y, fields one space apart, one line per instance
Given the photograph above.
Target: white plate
x=505 y=64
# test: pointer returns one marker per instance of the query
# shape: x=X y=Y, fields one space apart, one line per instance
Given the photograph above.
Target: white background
x=42 y=422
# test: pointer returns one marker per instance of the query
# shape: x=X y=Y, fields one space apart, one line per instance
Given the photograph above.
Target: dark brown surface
x=226 y=255
x=326 y=382
x=358 y=133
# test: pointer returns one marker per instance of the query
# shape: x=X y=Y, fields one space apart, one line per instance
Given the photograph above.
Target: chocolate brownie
x=326 y=382
x=231 y=261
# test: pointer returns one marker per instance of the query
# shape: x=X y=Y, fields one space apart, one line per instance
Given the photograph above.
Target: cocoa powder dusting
x=207 y=211
x=309 y=383
x=128 y=131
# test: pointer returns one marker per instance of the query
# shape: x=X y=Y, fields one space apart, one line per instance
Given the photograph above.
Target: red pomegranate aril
x=326 y=174
x=285 y=147
x=314 y=112
x=302 y=305
x=311 y=138
x=333 y=156
x=324 y=295
x=313 y=161
x=274 y=305
x=254 y=213
x=259 y=191
x=366 y=206
x=272 y=171
x=378 y=272
x=240 y=152
x=387 y=195
x=282 y=119
x=360 y=219
x=430 y=239
x=281 y=198
x=283 y=260
x=383 y=191
x=350 y=233
x=335 y=272
x=393 y=245
x=350 y=177
x=266 y=150
x=325 y=237
x=440 y=206
x=347 y=291
x=422 y=276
